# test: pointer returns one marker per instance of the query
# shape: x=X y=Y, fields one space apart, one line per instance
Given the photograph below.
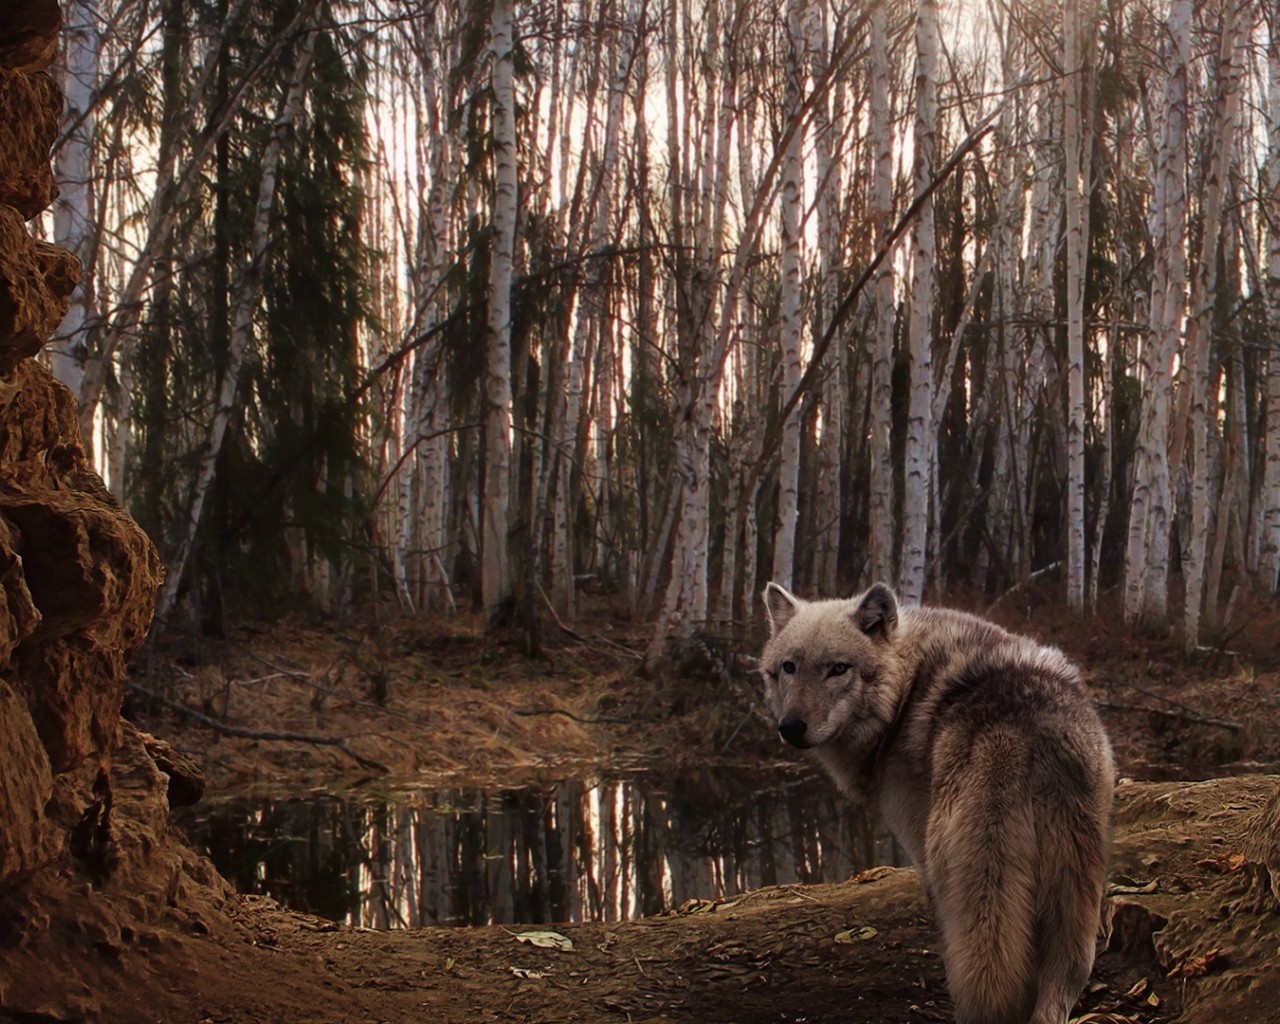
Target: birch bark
x=73 y=217
x=881 y=527
x=1077 y=248
x=918 y=482
x=1269 y=564
x=791 y=325
x=495 y=571
x=1200 y=321
x=1147 y=549
x=827 y=132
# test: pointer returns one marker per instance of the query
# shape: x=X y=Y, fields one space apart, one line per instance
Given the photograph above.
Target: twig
x=1021 y=583
x=530 y=712
x=751 y=711
x=250 y=734
x=1184 y=714
x=625 y=650
x=558 y=621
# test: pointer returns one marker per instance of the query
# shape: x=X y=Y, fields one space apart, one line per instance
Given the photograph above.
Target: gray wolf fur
x=982 y=753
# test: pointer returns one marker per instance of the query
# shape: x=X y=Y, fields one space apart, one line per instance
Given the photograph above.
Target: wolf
x=984 y=756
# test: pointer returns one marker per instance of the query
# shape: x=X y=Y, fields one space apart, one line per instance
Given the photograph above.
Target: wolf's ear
x=781 y=606
x=877 y=613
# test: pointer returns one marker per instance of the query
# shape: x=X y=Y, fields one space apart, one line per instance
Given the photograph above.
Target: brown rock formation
x=83 y=811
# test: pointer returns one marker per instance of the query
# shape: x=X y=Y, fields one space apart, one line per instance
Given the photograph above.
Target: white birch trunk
x=1269 y=563
x=73 y=213
x=1073 y=134
x=917 y=471
x=1147 y=550
x=495 y=572
x=881 y=526
x=828 y=123
x=791 y=325
x=245 y=298
x=1200 y=321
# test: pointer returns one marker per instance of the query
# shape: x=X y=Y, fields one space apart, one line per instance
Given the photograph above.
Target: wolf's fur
x=985 y=758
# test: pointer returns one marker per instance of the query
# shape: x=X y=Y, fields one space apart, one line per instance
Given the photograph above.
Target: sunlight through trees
x=499 y=306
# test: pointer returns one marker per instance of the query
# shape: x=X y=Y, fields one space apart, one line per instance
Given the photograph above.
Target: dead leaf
x=1224 y=864
x=1196 y=966
x=1131 y=888
x=526 y=975
x=872 y=874
x=545 y=940
x=852 y=935
x=1138 y=989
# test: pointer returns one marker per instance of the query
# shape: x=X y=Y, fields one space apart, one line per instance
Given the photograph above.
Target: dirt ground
x=1183 y=946
x=401 y=703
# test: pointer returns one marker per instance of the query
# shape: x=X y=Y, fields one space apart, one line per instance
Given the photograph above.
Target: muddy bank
x=1193 y=937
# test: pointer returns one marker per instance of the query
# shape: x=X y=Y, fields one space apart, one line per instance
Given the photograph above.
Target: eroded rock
x=29 y=109
x=29 y=34
x=78 y=578
x=35 y=287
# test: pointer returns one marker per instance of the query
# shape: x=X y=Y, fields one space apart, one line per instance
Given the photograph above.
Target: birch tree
x=495 y=564
x=880 y=523
x=1201 y=380
x=1269 y=564
x=918 y=483
x=1075 y=142
x=73 y=214
x=791 y=326
x=1147 y=552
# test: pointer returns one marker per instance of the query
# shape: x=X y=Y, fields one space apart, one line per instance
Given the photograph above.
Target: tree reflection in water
x=601 y=849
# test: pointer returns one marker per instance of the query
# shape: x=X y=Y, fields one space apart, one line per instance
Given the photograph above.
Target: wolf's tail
x=1017 y=858
x=982 y=854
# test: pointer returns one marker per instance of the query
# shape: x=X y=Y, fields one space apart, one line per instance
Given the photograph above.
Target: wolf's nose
x=792 y=730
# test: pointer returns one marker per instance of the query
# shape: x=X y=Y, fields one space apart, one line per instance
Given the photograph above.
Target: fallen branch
x=250 y=734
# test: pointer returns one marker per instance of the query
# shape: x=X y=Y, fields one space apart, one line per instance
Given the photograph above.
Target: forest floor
x=405 y=702
x=417 y=704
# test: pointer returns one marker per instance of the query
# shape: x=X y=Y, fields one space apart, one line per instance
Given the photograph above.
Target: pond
x=600 y=849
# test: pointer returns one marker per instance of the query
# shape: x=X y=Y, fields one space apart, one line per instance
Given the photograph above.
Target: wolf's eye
x=789 y=667
x=838 y=669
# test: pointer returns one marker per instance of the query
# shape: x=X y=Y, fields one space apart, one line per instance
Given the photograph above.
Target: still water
x=600 y=849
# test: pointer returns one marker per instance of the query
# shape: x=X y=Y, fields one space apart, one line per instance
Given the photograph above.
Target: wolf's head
x=829 y=665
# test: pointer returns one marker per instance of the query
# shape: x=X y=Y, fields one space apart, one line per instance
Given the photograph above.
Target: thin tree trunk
x=829 y=507
x=495 y=572
x=1147 y=551
x=1198 y=344
x=73 y=213
x=1074 y=142
x=881 y=528
x=791 y=328
x=918 y=483
x=1269 y=564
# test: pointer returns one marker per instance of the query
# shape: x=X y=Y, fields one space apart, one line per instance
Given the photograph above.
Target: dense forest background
x=477 y=304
